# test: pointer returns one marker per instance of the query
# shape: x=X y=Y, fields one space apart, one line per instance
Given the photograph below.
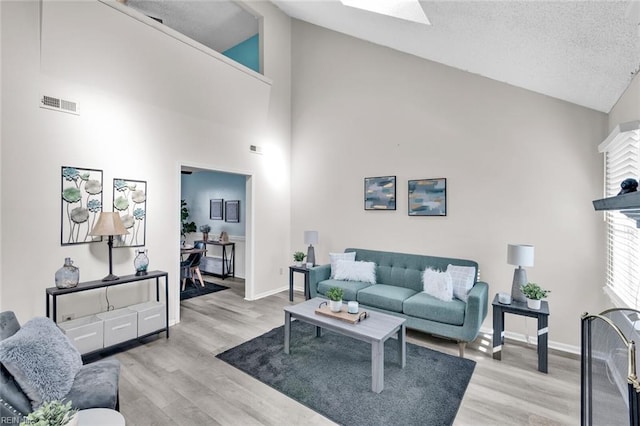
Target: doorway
x=217 y=203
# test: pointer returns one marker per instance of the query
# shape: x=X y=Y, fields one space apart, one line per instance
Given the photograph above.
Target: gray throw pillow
x=42 y=360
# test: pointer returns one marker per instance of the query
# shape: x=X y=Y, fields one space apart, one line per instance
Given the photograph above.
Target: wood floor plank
x=179 y=381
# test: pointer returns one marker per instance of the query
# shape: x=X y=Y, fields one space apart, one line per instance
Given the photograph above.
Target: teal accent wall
x=246 y=53
x=199 y=188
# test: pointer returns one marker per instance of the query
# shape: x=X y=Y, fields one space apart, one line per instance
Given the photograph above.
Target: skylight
x=409 y=10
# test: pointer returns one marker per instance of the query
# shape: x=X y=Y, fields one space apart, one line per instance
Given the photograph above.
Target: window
x=622 y=161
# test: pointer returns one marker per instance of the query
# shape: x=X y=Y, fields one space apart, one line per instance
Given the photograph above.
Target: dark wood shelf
x=90 y=285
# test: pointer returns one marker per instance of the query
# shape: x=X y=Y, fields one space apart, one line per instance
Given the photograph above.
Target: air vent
x=255 y=149
x=57 y=104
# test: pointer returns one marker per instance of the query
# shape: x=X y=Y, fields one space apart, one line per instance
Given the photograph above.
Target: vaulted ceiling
x=584 y=52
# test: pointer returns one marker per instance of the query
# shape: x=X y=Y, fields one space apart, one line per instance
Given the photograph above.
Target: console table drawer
x=151 y=317
x=120 y=325
x=86 y=333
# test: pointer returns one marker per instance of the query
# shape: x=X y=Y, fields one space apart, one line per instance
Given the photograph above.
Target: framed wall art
x=232 y=211
x=380 y=193
x=428 y=197
x=130 y=201
x=81 y=204
x=215 y=209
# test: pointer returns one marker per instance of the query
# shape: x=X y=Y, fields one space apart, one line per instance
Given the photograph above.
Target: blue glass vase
x=141 y=262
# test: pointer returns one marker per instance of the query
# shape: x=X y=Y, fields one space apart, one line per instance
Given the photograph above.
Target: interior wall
x=199 y=188
x=148 y=103
x=520 y=168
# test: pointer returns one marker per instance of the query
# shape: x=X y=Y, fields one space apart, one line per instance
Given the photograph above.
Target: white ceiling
x=584 y=52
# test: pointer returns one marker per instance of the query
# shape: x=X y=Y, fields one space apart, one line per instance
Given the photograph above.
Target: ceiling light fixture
x=409 y=10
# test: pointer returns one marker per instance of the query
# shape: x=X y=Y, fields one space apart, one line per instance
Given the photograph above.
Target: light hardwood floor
x=179 y=381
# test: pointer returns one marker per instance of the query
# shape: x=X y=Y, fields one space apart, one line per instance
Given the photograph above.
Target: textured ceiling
x=218 y=24
x=584 y=52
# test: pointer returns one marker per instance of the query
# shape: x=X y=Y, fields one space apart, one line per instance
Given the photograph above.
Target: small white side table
x=100 y=417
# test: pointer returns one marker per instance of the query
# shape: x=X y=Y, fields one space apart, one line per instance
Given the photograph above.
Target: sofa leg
x=461 y=346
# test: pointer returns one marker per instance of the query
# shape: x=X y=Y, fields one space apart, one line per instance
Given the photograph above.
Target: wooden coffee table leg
x=377 y=366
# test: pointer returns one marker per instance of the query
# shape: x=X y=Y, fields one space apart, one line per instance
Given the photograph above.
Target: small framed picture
x=232 y=211
x=380 y=193
x=215 y=209
x=428 y=197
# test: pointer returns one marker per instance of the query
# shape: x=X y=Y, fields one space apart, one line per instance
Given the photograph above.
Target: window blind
x=622 y=161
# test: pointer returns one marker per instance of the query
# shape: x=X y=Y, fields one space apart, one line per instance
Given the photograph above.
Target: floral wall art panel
x=130 y=200
x=81 y=204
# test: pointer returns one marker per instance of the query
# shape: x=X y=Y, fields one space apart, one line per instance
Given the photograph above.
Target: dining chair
x=191 y=266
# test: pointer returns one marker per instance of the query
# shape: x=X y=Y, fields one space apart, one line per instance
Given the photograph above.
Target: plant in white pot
x=53 y=413
x=335 y=295
x=299 y=257
x=534 y=294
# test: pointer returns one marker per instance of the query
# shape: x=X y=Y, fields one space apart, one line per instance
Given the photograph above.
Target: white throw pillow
x=463 y=278
x=350 y=270
x=334 y=257
x=438 y=284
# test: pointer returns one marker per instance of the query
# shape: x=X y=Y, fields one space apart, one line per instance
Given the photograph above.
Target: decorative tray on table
x=343 y=315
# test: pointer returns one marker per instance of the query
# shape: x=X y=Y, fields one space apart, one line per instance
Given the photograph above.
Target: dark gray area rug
x=192 y=290
x=332 y=375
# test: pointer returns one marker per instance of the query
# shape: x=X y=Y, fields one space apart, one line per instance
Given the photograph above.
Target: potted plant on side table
x=534 y=294
x=298 y=257
x=335 y=295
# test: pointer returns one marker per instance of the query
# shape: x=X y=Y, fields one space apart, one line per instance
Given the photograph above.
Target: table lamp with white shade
x=519 y=255
x=311 y=238
x=108 y=225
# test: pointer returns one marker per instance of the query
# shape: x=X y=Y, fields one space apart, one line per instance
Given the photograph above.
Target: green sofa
x=398 y=291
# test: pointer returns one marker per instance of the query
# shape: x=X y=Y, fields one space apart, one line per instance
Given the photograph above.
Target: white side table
x=100 y=417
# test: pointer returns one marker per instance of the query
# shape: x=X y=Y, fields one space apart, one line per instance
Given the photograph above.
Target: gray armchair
x=94 y=386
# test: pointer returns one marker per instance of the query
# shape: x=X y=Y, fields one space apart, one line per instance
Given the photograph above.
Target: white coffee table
x=100 y=417
x=374 y=330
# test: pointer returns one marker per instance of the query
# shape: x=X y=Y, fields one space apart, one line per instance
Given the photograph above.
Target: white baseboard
x=519 y=337
x=268 y=293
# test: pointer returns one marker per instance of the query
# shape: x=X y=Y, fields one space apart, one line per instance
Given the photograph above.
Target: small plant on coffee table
x=335 y=293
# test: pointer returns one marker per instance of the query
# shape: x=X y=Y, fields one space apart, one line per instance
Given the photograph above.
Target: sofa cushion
x=96 y=385
x=350 y=270
x=438 y=284
x=334 y=257
x=462 y=278
x=383 y=296
x=351 y=288
x=428 y=307
x=41 y=359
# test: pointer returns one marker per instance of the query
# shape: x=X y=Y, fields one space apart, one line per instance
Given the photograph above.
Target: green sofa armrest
x=317 y=274
x=476 y=312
